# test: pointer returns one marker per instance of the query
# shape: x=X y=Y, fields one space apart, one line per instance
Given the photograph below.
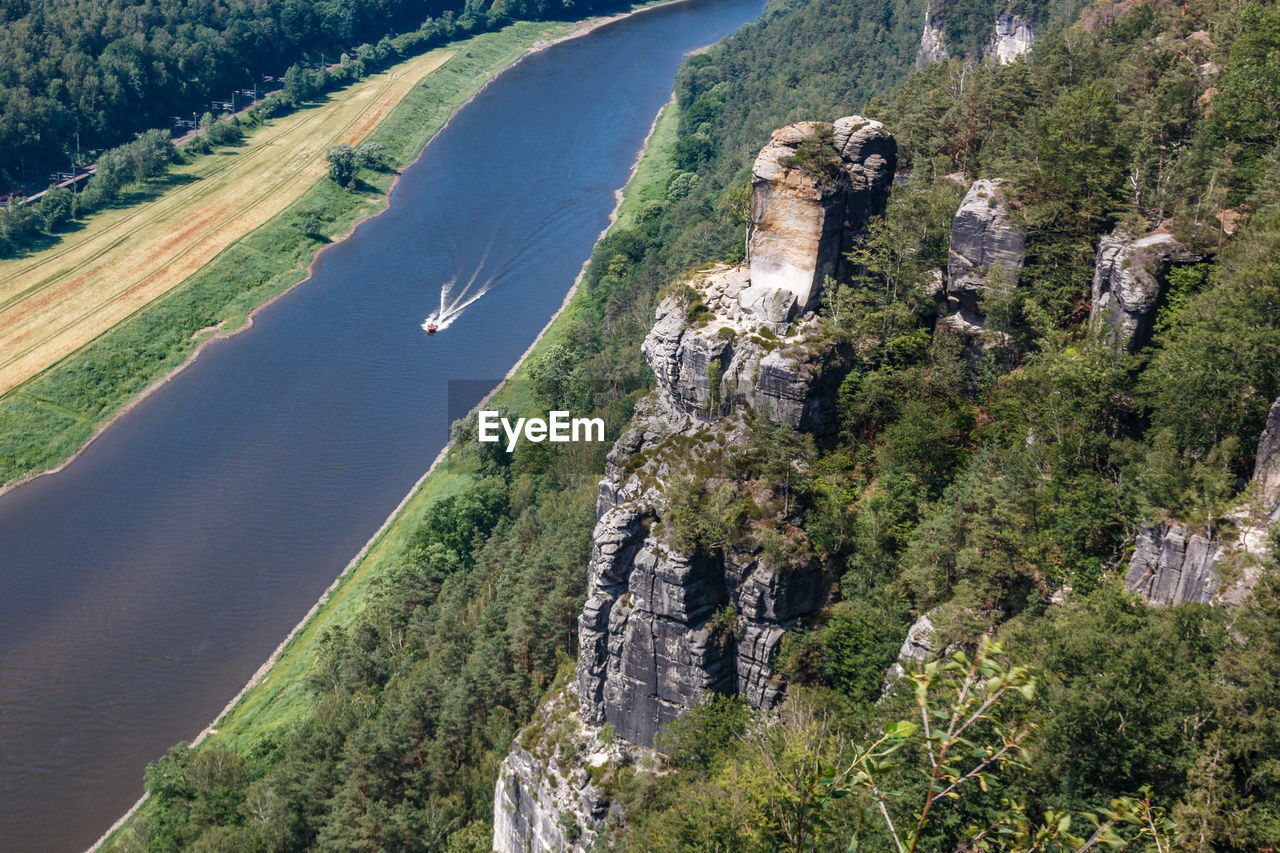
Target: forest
x=1112 y=724
x=76 y=76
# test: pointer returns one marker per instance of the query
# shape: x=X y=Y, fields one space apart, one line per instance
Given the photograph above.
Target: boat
x=431 y=328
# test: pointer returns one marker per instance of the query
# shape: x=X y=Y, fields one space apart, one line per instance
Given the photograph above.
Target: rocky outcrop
x=652 y=637
x=664 y=625
x=722 y=362
x=1128 y=281
x=983 y=237
x=1171 y=564
x=654 y=634
x=547 y=796
x=933 y=40
x=1012 y=38
x=807 y=210
x=1266 y=468
x=917 y=647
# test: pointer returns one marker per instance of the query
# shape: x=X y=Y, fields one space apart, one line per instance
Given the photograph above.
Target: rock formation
x=1012 y=38
x=804 y=215
x=1128 y=280
x=648 y=648
x=663 y=626
x=983 y=236
x=546 y=799
x=1171 y=564
x=918 y=646
x=749 y=370
x=1266 y=468
x=933 y=40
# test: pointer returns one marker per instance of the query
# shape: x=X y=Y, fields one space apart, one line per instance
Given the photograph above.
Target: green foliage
x=701 y=735
x=371 y=155
x=102 y=77
x=342 y=164
x=855 y=645
x=1211 y=376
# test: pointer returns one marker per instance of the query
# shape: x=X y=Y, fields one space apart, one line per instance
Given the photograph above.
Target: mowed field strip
x=58 y=300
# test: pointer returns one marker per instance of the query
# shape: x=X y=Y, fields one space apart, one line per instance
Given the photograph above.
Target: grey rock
x=918 y=646
x=541 y=792
x=1171 y=565
x=790 y=383
x=983 y=235
x=1128 y=280
x=774 y=308
x=1012 y=38
x=933 y=40
x=1266 y=469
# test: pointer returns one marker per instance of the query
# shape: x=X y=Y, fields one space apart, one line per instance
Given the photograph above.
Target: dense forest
x=1002 y=496
x=89 y=75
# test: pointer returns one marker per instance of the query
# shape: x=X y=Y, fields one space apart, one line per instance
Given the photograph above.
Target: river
x=142 y=585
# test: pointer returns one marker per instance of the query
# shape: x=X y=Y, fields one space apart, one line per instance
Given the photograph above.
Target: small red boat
x=431 y=328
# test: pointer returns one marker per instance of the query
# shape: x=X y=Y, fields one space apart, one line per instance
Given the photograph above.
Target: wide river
x=141 y=586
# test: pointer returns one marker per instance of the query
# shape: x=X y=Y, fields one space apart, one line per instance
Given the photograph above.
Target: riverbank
x=122 y=258
x=277 y=694
x=46 y=421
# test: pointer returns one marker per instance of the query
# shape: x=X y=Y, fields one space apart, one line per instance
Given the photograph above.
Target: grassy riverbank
x=48 y=418
x=282 y=695
x=122 y=258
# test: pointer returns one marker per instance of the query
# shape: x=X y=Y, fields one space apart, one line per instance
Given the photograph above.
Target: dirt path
x=54 y=302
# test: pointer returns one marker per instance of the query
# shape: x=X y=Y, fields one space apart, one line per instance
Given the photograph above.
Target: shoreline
x=580 y=29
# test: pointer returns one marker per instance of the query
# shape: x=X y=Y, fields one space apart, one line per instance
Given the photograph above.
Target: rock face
x=933 y=41
x=544 y=799
x=804 y=216
x=1012 y=38
x=1171 y=565
x=983 y=236
x=916 y=647
x=648 y=644
x=1128 y=280
x=662 y=627
x=1266 y=470
x=788 y=383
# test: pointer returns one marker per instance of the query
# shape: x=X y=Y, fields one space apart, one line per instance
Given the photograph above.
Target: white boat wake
x=452 y=304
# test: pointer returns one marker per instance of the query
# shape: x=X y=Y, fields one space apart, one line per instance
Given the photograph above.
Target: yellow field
x=55 y=301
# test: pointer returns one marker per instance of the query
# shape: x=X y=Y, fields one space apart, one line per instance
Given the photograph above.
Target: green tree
x=342 y=164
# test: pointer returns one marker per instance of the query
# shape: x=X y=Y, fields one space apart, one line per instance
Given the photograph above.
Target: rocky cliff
x=1011 y=39
x=1128 y=281
x=986 y=245
x=808 y=202
x=665 y=623
x=933 y=40
x=1172 y=564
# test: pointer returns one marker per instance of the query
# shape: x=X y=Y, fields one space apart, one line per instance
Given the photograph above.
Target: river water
x=142 y=585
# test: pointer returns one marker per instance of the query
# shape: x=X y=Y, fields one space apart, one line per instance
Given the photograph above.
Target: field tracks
x=54 y=302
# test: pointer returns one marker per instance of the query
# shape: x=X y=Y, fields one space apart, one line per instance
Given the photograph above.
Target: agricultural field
x=53 y=302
